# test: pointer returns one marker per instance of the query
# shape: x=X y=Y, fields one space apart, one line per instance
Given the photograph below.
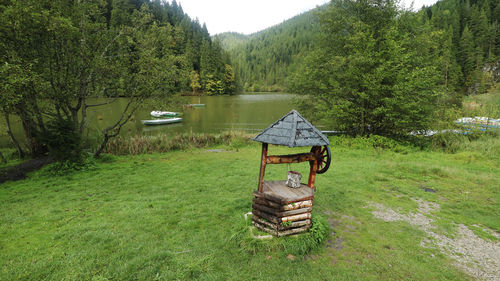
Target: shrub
x=487 y=143
x=141 y=144
x=372 y=142
x=63 y=140
x=65 y=167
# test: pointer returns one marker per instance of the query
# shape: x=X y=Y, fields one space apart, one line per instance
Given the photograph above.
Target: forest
x=371 y=67
x=266 y=59
x=410 y=194
x=467 y=31
x=56 y=55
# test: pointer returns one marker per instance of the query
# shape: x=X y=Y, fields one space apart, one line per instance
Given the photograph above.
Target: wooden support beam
x=278 y=200
x=263 y=159
x=268 y=203
x=264 y=222
x=265 y=229
x=297 y=205
x=292 y=158
x=266 y=216
x=313 y=166
x=278 y=233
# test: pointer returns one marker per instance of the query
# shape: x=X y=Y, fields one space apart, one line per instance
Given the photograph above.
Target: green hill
x=231 y=40
x=265 y=59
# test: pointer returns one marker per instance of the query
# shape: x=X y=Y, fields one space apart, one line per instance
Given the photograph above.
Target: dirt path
x=478 y=257
x=19 y=172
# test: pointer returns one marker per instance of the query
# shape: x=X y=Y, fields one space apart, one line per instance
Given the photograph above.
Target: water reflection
x=248 y=112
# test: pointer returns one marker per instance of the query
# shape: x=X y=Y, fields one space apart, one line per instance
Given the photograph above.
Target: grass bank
x=179 y=215
x=487 y=105
x=143 y=144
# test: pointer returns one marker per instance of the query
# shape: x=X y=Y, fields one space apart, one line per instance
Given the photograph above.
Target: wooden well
x=277 y=208
x=281 y=210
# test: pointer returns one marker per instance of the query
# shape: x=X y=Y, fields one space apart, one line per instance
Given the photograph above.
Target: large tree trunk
x=113 y=130
x=30 y=133
x=102 y=146
x=20 y=150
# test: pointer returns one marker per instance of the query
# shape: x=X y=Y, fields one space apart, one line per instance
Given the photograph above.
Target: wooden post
x=313 y=167
x=263 y=159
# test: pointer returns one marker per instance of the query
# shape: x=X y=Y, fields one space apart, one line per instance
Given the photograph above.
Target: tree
x=16 y=81
x=195 y=81
x=65 y=53
x=21 y=29
x=367 y=77
x=229 y=79
x=467 y=56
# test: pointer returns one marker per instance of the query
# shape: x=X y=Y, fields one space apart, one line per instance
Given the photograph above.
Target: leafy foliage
x=60 y=54
x=368 y=76
x=63 y=140
x=467 y=33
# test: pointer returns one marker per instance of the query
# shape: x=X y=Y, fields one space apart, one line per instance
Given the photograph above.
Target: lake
x=247 y=112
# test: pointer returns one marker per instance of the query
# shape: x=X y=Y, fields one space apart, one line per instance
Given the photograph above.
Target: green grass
x=487 y=104
x=179 y=215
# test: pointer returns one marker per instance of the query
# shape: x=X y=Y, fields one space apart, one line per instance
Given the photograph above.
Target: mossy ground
x=178 y=215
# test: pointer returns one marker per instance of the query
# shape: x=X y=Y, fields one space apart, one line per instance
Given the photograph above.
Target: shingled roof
x=292 y=130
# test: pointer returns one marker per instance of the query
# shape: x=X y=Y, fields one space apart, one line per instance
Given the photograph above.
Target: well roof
x=292 y=130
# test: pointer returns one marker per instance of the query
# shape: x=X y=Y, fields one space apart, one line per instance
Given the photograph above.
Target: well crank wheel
x=324 y=159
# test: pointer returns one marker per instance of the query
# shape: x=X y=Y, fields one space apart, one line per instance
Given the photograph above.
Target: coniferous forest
x=468 y=34
x=266 y=59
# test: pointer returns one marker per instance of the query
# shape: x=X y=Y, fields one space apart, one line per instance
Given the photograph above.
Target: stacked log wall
x=281 y=218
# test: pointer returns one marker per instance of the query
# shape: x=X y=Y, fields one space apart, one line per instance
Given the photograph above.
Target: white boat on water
x=479 y=122
x=159 y=114
x=161 y=121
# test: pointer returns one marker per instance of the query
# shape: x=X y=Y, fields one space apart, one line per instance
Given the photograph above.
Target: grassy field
x=179 y=215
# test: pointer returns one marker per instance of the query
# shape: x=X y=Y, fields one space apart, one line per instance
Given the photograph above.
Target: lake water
x=247 y=112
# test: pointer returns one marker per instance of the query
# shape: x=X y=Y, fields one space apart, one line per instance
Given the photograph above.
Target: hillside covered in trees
x=471 y=51
x=264 y=60
x=468 y=30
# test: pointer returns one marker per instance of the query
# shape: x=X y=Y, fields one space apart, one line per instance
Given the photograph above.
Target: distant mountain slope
x=230 y=40
x=264 y=60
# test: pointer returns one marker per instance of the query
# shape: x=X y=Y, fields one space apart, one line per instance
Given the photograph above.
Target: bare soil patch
x=19 y=172
x=478 y=257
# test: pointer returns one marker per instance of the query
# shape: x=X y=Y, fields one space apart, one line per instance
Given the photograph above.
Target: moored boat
x=159 y=114
x=195 y=105
x=161 y=121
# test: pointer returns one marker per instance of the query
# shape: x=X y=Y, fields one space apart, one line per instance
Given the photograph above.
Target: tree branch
x=100 y=104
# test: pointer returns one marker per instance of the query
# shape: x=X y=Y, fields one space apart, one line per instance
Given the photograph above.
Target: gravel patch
x=216 y=150
x=478 y=257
